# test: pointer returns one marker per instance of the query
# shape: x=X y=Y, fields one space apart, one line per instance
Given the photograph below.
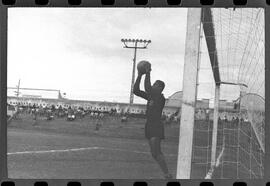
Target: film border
x=150 y=3
x=126 y=3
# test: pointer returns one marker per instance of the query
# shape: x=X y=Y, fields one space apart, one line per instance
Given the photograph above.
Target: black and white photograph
x=135 y=93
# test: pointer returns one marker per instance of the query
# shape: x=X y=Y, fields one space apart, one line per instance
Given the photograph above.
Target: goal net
x=232 y=46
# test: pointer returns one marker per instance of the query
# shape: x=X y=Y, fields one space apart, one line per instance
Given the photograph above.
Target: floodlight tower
x=134 y=44
x=17 y=92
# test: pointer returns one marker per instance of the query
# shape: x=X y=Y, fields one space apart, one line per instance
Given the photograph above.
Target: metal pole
x=267 y=88
x=223 y=145
x=18 y=89
x=238 y=138
x=133 y=76
x=215 y=127
x=250 y=152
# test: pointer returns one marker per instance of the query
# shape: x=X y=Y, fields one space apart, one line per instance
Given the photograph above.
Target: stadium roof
x=34 y=93
x=176 y=95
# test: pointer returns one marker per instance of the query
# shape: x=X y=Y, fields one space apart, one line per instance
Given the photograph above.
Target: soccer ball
x=142 y=66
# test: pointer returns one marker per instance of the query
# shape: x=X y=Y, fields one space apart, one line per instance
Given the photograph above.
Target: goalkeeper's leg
x=154 y=143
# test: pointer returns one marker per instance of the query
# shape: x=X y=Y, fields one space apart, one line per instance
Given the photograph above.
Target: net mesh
x=239 y=47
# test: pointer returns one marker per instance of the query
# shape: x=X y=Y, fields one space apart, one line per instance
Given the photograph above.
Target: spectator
x=225 y=118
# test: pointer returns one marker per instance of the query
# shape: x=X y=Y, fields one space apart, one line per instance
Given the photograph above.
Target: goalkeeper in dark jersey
x=154 y=128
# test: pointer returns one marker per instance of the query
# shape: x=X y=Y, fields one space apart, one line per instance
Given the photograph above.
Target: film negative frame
x=4 y=5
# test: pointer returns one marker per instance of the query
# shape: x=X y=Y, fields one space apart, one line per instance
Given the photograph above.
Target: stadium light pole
x=18 y=93
x=18 y=89
x=134 y=44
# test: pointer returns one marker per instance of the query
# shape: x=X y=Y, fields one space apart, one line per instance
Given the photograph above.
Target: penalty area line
x=52 y=151
x=81 y=149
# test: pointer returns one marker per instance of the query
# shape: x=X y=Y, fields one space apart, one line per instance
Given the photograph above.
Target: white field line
x=52 y=151
x=124 y=150
x=81 y=149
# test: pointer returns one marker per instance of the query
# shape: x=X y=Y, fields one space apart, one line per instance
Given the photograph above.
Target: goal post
x=227 y=139
x=215 y=126
x=189 y=93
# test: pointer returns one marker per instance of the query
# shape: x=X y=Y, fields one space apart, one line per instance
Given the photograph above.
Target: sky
x=79 y=50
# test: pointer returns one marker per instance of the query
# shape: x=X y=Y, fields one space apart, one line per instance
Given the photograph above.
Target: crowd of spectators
x=51 y=112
